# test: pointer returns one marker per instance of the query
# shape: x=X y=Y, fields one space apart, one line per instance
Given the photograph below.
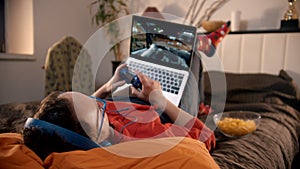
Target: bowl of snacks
x=237 y=123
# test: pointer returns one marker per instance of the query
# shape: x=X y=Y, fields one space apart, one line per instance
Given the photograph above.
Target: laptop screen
x=162 y=42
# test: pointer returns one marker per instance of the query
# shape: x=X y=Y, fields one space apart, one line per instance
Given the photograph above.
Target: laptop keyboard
x=169 y=80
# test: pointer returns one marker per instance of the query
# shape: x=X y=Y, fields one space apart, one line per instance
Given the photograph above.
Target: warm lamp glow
x=19 y=26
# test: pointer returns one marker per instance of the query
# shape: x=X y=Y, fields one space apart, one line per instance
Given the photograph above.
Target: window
x=2 y=27
x=18 y=26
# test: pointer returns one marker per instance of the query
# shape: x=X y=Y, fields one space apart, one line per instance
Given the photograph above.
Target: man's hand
x=115 y=82
x=151 y=91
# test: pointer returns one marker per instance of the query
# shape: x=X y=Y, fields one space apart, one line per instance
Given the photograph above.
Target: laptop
x=163 y=51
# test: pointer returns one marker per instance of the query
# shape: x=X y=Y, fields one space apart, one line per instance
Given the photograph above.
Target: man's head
x=90 y=114
x=58 y=110
x=70 y=110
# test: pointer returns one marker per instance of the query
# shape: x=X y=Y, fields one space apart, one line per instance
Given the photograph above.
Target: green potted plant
x=106 y=12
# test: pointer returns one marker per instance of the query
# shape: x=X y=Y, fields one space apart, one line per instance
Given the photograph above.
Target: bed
x=274 y=94
x=275 y=144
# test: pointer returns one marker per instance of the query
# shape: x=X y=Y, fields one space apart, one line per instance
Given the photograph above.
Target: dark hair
x=58 y=111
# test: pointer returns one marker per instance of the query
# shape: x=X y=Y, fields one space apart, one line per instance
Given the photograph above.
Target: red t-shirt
x=135 y=121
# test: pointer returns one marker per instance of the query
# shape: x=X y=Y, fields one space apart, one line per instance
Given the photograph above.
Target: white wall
x=24 y=80
x=273 y=52
x=256 y=14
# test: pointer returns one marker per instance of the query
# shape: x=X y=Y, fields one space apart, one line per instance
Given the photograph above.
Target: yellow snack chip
x=236 y=127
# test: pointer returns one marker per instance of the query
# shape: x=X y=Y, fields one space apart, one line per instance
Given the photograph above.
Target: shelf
x=266 y=31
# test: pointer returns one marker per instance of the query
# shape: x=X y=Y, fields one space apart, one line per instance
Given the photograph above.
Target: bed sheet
x=275 y=142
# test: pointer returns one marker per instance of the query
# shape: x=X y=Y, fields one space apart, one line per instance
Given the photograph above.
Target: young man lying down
x=107 y=122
